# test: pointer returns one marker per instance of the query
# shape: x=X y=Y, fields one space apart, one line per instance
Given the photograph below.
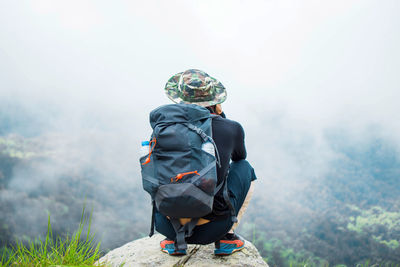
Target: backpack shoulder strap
x=153 y=215
x=212 y=115
x=228 y=201
x=183 y=231
x=224 y=182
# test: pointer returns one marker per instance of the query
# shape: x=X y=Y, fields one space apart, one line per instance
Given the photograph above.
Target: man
x=197 y=87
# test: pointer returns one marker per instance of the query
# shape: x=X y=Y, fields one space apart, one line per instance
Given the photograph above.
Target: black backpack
x=180 y=170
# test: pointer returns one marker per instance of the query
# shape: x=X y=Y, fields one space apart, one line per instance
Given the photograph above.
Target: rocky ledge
x=146 y=252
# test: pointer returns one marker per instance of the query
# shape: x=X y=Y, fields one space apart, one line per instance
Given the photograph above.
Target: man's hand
x=184 y=221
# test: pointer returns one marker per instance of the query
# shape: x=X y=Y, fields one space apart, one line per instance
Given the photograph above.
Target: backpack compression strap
x=205 y=138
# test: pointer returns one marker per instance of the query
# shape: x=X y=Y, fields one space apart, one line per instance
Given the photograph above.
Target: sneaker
x=168 y=246
x=229 y=244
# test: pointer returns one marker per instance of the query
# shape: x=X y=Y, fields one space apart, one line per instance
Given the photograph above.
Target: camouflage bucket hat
x=195 y=86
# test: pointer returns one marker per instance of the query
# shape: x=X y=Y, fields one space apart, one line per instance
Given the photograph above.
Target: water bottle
x=209 y=148
x=144 y=150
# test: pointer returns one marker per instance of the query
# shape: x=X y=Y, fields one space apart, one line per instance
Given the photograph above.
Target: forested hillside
x=339 y=219
x=35 y=183
x=348 y=214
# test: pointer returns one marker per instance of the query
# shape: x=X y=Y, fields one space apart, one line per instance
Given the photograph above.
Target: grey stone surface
x=146 y=252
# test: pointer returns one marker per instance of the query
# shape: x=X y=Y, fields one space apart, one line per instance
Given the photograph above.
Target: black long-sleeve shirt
x=228 y=135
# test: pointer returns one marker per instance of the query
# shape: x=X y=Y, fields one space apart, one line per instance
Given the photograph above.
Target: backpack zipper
x=180 y=175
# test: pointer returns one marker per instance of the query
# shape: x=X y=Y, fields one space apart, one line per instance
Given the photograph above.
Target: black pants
x=241 y=174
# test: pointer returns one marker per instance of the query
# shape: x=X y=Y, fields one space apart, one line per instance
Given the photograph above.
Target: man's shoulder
x=221 y=122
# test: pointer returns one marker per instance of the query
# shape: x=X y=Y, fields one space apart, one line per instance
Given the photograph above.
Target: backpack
x=179 y=171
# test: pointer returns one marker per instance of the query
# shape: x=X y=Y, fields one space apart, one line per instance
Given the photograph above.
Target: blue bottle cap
x=145 y=143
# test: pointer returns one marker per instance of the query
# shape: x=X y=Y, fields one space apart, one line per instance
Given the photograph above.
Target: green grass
x=72 y=250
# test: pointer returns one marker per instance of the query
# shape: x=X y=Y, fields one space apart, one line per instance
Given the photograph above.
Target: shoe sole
x=226 y=252
x=173 y=253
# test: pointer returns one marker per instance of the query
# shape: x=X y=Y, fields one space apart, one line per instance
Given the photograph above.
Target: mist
x=308 y=80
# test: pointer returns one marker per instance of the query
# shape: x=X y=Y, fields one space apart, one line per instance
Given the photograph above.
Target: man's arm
x=239 y=151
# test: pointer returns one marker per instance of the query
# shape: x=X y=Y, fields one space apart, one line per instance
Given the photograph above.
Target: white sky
x=316 y=63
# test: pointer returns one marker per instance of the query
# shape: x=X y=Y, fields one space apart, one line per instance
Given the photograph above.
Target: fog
x=86 y=74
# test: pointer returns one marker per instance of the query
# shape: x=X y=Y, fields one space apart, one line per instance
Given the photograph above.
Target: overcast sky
x=316 y=64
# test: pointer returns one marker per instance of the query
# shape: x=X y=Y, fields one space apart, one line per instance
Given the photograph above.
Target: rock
x=146 y=252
